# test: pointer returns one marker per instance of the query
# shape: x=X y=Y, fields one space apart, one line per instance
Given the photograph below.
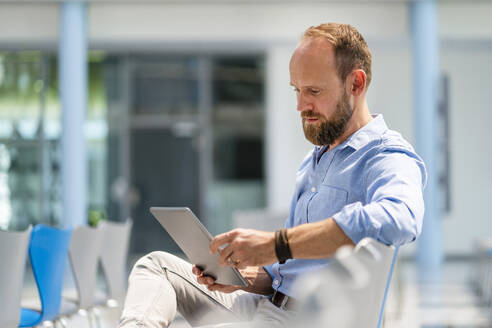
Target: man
x=361 y=180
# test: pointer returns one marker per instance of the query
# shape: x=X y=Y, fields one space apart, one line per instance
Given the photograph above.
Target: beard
x=325 y=132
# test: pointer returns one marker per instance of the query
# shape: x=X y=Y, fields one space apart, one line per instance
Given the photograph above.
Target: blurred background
x=188 y=103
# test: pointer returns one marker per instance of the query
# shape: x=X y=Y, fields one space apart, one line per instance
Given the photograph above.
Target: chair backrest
x=482 y=272
x=13 y=252
x=48 y=252
x=84 y=250
x=332 y=297
x=380 y=260
x=114 y=253
x=356 y=282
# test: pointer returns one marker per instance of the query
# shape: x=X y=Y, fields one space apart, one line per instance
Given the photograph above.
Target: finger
x=220 y=240
x=224 y=256
x=196 y=270
x=209 y=280
x=241 y=265
x=205 y=280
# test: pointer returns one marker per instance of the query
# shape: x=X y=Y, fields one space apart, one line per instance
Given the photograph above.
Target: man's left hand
x=245 y=247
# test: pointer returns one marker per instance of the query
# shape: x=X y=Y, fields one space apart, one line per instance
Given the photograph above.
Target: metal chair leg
x=97 y=317
x=86 y=313
x=63 y=322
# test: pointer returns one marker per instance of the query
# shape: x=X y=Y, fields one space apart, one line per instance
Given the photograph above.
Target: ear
x=357 y=82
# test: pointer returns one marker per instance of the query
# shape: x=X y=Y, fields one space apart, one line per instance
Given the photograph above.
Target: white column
x=425 y=41
x=72 y=70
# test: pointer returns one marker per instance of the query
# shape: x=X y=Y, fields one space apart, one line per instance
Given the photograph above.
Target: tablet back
x=193 y=238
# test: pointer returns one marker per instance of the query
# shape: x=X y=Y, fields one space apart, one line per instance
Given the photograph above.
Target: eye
x=295 y=89
x=315 y=91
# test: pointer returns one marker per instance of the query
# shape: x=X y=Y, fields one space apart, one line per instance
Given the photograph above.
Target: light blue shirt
x=371 y=185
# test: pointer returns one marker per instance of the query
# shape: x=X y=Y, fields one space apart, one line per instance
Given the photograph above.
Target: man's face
x=321 y=96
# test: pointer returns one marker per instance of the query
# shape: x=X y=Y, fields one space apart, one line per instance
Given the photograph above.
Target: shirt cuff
x=268 y=269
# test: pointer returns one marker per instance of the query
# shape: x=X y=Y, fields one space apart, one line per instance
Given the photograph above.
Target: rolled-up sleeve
x=394 y=207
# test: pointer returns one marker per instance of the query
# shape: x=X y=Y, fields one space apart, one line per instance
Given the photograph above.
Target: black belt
x=283 y=301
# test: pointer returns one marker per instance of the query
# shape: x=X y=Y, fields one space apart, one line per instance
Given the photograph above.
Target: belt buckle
x=284 y=301
x=283 y=305
x=274 y=294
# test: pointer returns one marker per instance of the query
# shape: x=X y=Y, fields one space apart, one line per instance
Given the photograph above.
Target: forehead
x=313 y=62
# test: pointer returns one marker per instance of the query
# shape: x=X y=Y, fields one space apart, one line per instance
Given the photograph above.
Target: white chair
x=351 y=291
x=380 y=261
x=13 y=252
x=84 y=250
x=332 y=297
x=482 y=273
x=114 y=255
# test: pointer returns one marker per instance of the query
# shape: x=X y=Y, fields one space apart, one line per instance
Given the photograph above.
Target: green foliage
x=96 y=216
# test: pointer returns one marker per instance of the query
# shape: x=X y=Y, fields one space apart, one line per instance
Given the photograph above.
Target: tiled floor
x=449 y=303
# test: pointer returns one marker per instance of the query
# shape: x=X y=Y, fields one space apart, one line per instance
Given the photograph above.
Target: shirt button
x=313 y=189
x=276 y=282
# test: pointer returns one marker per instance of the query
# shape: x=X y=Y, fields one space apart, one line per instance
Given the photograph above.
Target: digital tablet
x=193 y=238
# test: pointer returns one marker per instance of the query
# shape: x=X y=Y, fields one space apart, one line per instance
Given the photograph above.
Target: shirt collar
x=369 y=132
x=372 y=130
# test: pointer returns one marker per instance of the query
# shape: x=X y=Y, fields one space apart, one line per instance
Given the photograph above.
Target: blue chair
x=48 y=254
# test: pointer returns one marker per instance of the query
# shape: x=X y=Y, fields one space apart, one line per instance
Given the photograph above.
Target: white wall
x=469 y=70
x=469 y=20
x=286 y=145
x=24 y=24
x=273 y=28
x=239 y=21
x=391 y=92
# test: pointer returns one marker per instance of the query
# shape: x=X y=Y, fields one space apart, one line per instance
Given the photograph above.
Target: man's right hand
x=259 y=282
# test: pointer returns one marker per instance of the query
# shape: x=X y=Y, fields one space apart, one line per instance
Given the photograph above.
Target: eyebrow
x=308 y=86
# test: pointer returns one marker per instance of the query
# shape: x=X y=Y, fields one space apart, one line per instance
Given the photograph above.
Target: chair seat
x=68 y=308
x=71 y=295
x=29 y=317
x=33 y=306
x=100 y=298
x=32 y=303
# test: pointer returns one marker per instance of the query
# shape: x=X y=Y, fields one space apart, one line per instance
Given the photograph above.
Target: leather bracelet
x=277 y=246
x=282 y=248
x=286 y=246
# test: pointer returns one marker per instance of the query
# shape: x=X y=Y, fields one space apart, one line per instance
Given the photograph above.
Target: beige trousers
x=161 y=284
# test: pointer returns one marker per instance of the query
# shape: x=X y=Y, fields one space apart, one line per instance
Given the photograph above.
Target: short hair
x=351 y=50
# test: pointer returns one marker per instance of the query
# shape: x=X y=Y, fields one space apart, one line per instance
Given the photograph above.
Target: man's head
x=330 y=71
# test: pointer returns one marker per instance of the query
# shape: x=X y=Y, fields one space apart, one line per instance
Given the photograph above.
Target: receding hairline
x=343 y=37
x=306 y=44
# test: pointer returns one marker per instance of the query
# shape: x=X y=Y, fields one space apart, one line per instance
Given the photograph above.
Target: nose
x=303 y=103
